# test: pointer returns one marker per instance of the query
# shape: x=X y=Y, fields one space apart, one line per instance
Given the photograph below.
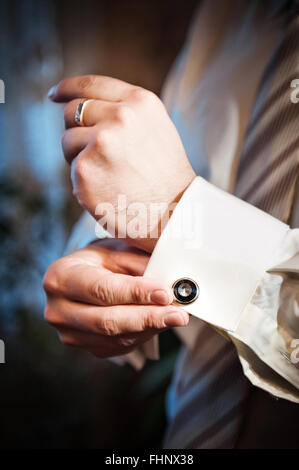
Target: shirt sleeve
x=246 y=264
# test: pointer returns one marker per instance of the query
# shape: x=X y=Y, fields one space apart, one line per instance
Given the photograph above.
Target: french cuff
x=221 y=243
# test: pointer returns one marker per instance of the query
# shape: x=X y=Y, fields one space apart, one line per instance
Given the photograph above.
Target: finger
x=97 y=286
x=133 y=262
x=116 y=255
x=94 y=112
x=90 y=86
x=104 y=346
x=113 y=320
x=74 y=141
x=119 y=257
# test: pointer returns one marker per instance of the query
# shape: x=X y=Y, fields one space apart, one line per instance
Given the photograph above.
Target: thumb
x=98 y=286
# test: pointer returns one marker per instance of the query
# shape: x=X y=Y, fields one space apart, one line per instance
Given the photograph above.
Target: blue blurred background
x=52 y=396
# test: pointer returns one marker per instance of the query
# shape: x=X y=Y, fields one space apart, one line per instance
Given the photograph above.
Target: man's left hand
x=128 y=146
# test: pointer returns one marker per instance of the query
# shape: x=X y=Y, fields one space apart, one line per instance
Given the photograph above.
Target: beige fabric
x=228 y=78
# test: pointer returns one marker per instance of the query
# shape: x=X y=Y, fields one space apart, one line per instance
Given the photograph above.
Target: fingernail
x=51 y=92
x=160 y=297
x=176 y=319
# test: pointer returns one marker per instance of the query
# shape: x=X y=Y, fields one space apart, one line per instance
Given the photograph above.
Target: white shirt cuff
x=224 y=244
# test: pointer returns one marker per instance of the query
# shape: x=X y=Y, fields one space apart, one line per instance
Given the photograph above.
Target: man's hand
x=129 y=146
x=98 y=300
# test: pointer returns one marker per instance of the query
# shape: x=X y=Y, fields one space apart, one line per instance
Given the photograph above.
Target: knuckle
x=100 y=291
x=101 y=141
x=138 y=293
x=50 y=316
x=86 y=82
x=151 y=320
x=122 y=114
x=64 y=140
x=107 y=326
x=81 y=167
x=141 y=95
x=50 y=283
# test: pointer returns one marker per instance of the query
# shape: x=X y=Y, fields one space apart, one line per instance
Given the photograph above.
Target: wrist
x=157 y=222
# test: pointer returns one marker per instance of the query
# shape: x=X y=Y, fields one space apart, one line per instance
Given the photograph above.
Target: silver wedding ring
x=79 y=114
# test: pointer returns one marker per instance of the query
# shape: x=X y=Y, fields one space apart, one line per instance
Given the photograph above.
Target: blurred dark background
x=52 y=396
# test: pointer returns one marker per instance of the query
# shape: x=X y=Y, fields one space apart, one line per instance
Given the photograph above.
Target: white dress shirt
x=245 y=261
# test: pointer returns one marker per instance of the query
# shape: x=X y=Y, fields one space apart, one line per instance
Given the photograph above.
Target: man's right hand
x=98 y=300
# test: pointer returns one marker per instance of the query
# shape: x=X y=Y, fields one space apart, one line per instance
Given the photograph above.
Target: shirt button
x=185 y=290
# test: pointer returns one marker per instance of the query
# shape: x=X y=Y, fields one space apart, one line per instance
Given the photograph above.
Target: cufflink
x=185 y=290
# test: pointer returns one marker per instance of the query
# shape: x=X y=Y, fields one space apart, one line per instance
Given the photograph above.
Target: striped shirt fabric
x=209 y=397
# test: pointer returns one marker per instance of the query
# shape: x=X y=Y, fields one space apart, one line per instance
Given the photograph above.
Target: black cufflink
x=185 y=290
